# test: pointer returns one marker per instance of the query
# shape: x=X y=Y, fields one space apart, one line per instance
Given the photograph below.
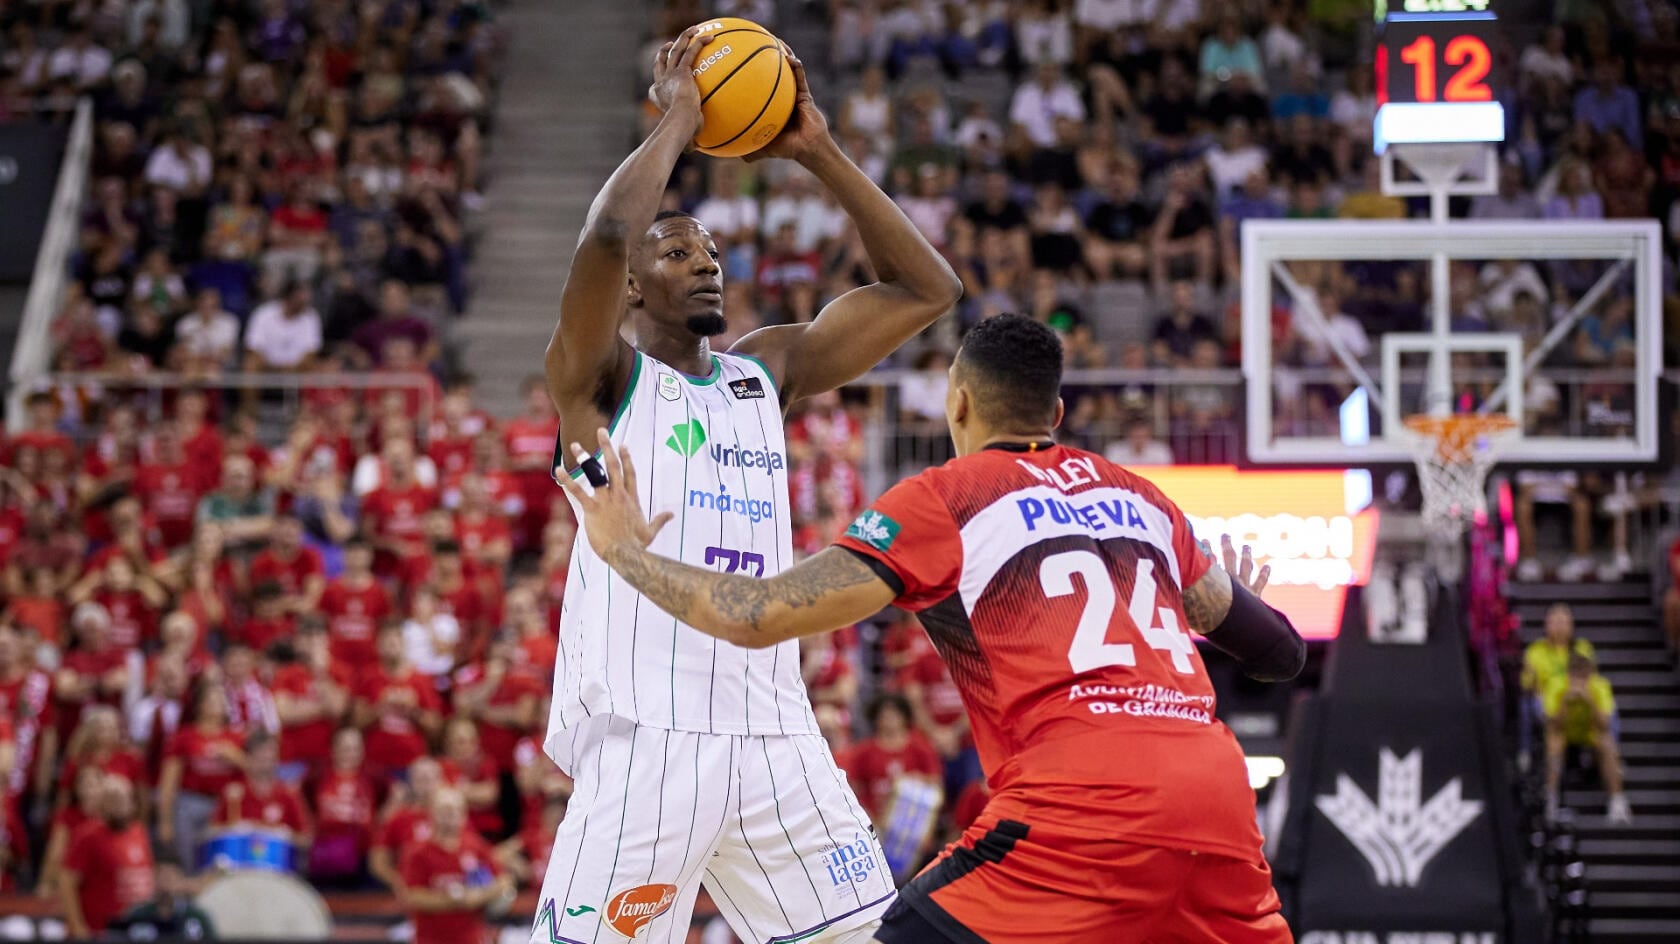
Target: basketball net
x=1454 y=455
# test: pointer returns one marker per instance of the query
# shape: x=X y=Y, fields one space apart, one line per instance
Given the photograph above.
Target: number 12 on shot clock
x=1423 y=62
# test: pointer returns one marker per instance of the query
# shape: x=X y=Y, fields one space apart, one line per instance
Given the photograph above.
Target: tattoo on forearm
x=1208 y=600
x=704 y=599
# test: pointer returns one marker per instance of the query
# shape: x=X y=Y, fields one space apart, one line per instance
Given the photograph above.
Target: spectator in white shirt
x=172 y=16
x=180 y=163
x=430 y=635
x=1139 y=448
x=1037 y=105
x=81 y=60
x=1546 y=60
x=284 y=334
x=206 y=337
x=800 y=201
x=1044 y=33
x=1236 y=157
x=732 y=219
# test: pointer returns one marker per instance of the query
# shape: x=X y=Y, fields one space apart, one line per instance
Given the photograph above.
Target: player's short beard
x=707 y=326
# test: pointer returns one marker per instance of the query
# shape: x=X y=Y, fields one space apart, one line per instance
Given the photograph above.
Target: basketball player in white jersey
x=696 y=760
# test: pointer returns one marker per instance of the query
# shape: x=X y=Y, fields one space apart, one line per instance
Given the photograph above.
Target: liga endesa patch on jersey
x=747 y=388
x=874 y=529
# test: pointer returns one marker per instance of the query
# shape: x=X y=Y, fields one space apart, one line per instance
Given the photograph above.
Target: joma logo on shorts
x=633 y=909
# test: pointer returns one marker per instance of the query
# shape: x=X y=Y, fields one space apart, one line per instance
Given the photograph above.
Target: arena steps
x=1633 y=870
x=563 y=122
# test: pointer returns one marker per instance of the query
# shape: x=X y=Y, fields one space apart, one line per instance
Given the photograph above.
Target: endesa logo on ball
x=1298 y=522
x=632 y=910
x=712 y=60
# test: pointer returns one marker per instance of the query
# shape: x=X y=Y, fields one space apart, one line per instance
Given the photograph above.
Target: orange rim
x=1455 y=436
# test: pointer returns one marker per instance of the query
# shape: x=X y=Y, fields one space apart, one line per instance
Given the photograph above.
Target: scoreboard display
x=1434 y=60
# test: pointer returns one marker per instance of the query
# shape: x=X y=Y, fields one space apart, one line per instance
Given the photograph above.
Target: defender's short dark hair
x=1014 y=365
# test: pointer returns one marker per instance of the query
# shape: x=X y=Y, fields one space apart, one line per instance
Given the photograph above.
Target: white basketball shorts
x=768 y=823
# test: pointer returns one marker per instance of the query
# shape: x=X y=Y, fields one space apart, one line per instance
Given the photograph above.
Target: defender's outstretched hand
x=1242 y=571
x=611 y=514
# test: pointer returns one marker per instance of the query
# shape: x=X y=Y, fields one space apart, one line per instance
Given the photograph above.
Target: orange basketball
x=746 y=87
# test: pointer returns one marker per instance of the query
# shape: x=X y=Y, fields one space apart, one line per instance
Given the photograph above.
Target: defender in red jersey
x=1060 y=589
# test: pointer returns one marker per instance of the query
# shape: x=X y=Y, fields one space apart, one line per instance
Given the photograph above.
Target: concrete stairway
x=1633 y=872
x=566 y=117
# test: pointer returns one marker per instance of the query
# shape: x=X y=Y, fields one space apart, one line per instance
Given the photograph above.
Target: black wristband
x=592 y=471
x=1261 y=639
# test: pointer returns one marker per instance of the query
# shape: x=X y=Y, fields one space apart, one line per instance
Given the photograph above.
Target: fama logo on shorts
x=632 y=910
x=753 y=508
x=739 y=458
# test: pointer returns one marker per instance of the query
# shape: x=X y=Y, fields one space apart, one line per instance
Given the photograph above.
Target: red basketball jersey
x=1052 y=584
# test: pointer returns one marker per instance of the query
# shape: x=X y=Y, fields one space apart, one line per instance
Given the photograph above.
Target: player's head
x=675 y=279
x=1005 y=382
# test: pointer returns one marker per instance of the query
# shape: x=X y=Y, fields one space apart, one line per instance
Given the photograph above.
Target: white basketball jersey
x=711 y=451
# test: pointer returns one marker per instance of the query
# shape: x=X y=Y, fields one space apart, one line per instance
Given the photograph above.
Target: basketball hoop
x=1454 y=455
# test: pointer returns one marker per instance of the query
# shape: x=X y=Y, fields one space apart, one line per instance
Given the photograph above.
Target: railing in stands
x=32 y=355
x=1193 y=411
x=283 y=392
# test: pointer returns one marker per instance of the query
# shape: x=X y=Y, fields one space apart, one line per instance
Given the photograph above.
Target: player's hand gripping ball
x=747 y=86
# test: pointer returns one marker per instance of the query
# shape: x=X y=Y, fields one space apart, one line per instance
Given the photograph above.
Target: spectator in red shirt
x=269 y=621
x=129 y=534
x=88 y=790
x=405 y=820
x=294 y=566
x=46 y=543
x=108 y=868
x=184 y=641
x=501 y=701
x=896 y=751
x=536 y=647
x=131 y=601
x=392 y=514
x=258 y=798
x=41 y=431
x=202 y=758
x=297 y=235
x=203 y=579
x=93 y=671
x=26 y=698
x=312 y=696
x=939 y=713
x=344 y=807
x=249 y=701
x=528 y=851
x=826 y=663
x=529 y=439
x=451 y=879
x=468 y=769
x=98 y=745
x=486 y=539
x=450 y=440
x=199 y=437
x=539 y=779
x=355 y=605
x=39 y=608
x=169 y=487
x=461 y=594
x=396 y=707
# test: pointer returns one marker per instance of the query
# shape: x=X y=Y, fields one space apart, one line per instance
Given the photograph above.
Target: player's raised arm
x=859 y=329
x=586 y=345
x=825 y=592
x=1228 y=612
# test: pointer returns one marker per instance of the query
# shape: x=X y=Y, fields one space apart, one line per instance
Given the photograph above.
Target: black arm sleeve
x=1261 y=639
